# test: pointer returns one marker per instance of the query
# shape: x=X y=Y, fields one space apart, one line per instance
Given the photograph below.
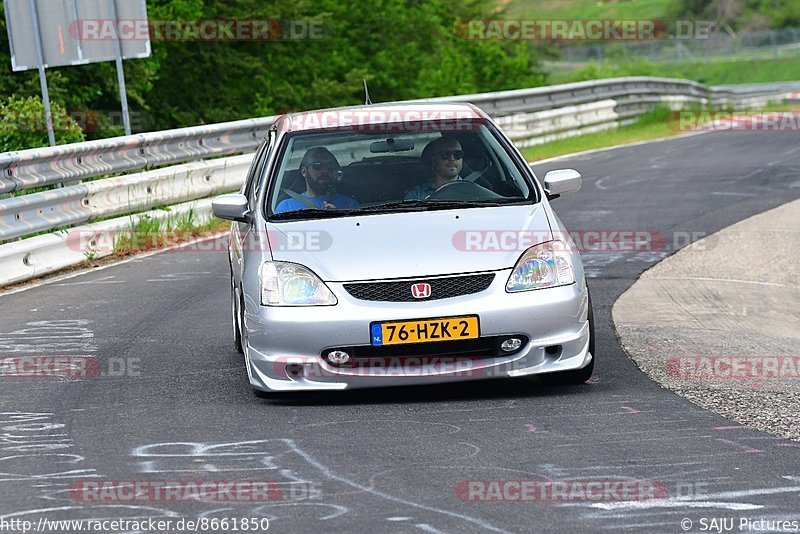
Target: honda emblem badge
x=421 y=291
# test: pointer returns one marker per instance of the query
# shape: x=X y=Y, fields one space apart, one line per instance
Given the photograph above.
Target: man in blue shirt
x=318 y=168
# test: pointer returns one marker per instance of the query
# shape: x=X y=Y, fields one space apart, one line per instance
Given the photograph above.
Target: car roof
x=376 y=114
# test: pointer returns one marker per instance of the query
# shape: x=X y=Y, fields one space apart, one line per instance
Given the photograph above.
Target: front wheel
x=578 y=376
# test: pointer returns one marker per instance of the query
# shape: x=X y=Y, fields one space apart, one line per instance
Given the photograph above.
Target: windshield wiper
x=402 y=205
x=424 y=205
x=313 y=213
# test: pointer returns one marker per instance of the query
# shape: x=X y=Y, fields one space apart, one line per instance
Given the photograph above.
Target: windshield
x=338 y=173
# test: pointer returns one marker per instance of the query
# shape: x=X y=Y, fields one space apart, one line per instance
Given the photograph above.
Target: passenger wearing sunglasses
x=445 y=157
x=320 y=170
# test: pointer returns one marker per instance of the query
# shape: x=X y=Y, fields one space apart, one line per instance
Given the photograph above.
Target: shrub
x=22 y=124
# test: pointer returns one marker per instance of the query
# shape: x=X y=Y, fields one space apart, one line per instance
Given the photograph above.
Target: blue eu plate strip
x=376 y=335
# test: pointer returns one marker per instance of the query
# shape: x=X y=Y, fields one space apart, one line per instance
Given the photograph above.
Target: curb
x=718 y=323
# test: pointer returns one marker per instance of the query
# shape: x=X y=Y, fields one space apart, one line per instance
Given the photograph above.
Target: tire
x=236 y=317
x=578 y=376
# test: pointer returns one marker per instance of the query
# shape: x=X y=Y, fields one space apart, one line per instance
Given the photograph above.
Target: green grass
x=147 y=233
x=652 y=125
x=763 y=66
x=711 y=73
x=726 y=72
x=655 y=124
x=589 y=9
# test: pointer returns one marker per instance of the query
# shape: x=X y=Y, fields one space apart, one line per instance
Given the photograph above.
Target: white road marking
x=427 y=528
x=599 y=183
x=103 y=280
x=707 y=279
x=754 y=173
x=63 y=335
x=330 y=474
x=733 y=194
x=685 y=502
x=338 y=509
x=179 y=277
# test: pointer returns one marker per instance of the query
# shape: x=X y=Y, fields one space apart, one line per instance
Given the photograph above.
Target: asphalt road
x=394 y=460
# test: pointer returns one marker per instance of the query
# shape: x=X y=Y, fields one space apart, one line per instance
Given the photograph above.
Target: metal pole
x=48 y=116
x=773 y=41
x=796 y=39
x=123 y=94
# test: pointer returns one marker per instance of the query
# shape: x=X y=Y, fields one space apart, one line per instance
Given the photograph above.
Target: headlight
x=544 y=265
x=291 y=284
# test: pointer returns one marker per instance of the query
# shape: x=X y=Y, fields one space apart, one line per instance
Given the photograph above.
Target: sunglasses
x=319 y=165
x=444 y=156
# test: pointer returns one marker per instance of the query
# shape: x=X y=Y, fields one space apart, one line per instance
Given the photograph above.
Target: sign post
x=123 y=94
x=59 y=39
x=48 y=115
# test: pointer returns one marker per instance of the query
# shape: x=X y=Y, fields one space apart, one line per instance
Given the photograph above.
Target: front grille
x=452 y=351
x=441 y=288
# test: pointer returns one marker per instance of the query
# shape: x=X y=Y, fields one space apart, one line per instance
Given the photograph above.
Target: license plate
x=425 y=330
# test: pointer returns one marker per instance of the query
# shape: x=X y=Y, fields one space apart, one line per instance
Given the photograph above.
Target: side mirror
x=562 y=181
x=232 y=207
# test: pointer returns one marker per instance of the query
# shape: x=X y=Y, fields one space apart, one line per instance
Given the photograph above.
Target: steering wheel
x=462 y=190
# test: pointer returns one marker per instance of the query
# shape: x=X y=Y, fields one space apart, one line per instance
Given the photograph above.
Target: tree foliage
x=22 y=124
x=404 y=48
x=742 y=14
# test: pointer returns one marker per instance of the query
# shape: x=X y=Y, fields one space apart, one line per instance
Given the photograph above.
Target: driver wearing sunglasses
x=445 y=157
x=320 y=170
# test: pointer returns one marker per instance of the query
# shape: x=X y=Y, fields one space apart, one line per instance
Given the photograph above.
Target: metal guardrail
x=530 y=129
x=28 y=214
x=39 y=167
x=569 y=94
x=530 y=116
x=70 y=163
x=130 y=193
x=555 y=96
x=48 y=253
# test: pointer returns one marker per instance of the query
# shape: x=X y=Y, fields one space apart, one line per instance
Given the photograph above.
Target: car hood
x=411 y=244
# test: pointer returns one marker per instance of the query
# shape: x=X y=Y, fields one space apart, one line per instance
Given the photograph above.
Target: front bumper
x=283 y=345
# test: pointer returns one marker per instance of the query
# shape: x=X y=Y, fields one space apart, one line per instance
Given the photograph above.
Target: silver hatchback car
x=402 y=244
